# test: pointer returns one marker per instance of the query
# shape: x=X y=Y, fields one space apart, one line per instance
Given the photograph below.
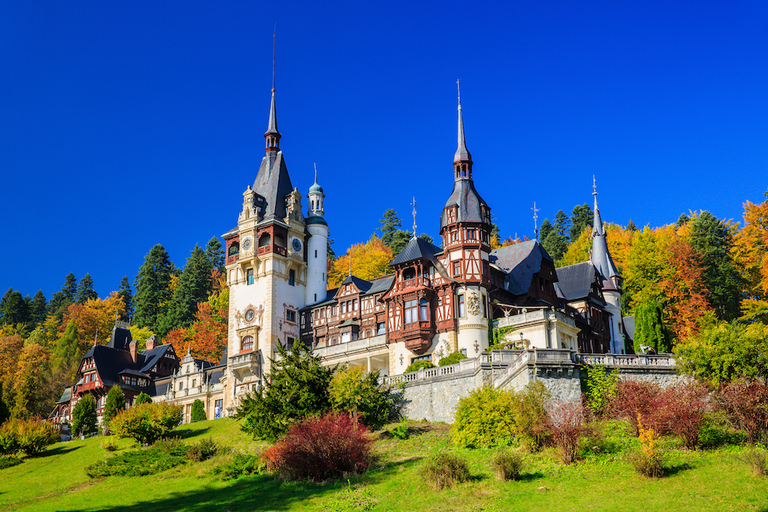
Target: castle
x=436 y=301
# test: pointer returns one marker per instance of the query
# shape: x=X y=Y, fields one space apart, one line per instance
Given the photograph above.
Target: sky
x=128 y=124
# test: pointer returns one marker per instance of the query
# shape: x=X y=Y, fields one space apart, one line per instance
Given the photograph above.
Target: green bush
x=30 y=436
x=241 y=464
x=143 y=398
x=198 y=411
x=115 y=404
x=507 y=465
x=530 y=415
x=715 y=431
x=600 y=389
x=484 y=418
x=84 y=419
x=203 y=450
x=109 y=444
x=445 y=470
x=418 y=365
x=452 y=358
x=359 y=393
x=400 y=431
x=146 y=423
x=161 y=456
x=757 y=460
x=8 y=461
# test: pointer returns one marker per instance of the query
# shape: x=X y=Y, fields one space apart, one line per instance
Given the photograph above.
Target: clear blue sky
x=126 y=124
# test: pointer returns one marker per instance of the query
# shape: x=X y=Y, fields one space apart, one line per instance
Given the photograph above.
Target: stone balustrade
x=628 y=360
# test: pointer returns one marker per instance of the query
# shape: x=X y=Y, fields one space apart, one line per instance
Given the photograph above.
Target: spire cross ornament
x=535 y=220
x=274 y=43
x=414 y=216
x=458 y=88
x=594 y=186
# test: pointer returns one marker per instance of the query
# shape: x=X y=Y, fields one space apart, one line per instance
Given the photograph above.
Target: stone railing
x=465 y=365
x=628 y=360
x=363 y=345
x=245 y=359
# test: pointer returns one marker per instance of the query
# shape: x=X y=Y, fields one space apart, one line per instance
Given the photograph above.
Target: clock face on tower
x=247 y=243
x=296 y=244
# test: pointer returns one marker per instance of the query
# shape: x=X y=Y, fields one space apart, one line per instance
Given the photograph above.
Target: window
x=194 y=382
x=423 y=311
x=292 y=277
x=345 y=337
x=315 y=253
x=464 y=351
x=265 y=240
x=333 y=310
x=422 y=358
x=249 y=276
x=456 y=268
x=234 y=249
x=290 y=315
x=460 y=306
x=247 y=343
x=484 y=307
x=354 y=304
x=181 y=386
x=470 y=234
x=380 y=329
x=410 y=311
x=343 y=307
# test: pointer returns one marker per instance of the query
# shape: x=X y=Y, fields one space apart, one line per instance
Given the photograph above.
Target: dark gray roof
x=467 y=199
x=416 y=248
x=361 y=284
x=215 y=376
x=462 y=153
x=380 y=285
x=273 y=184
x=151 y=357
x=160 y=386
x=629 y=326
x=575 y=281
x=223 y=360
x=66 y=396
x=519 y=262
x=135 y=373
x=601 y=257
x=120 y=338
x=110 y=362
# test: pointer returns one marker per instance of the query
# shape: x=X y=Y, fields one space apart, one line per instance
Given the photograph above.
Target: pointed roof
x=468 y=201
x=519 y=262
x=273 y=185
x=462 y=153
x=601 y=257
x=272 y=126
x=575 y=281
x=416 y=248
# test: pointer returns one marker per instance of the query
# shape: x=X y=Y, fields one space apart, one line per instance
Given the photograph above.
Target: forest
x=697 y=287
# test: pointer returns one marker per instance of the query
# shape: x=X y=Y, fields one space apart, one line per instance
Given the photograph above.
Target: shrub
x=30 y=436
x=445 y=470
x=202 y=450
x=323 y=448
x=507 y=465
x=115 y=404
x=686 y=405
x=757 y=460
x=146 y=422
x=716 y=431
x=359 y=392
x=484 y=418
x=745 y=404
x=143 y=398
x=452 y=358
x=8 y=461
x=400 y=431
x=649 y=460
x=161 y=456
x=241 y=464
x=601 y=387
x=109 y=444
x=530 y=415
x=633 y=398
x=418 y=365
x=84 y=417
x=565 y=423
x=198 y=411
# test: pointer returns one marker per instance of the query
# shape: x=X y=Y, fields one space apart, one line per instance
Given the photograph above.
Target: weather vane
x=535 y=220
x=414 y=216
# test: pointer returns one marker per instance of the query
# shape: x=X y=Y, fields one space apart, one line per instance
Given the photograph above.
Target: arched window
x=234 y=249
x=423 y=311
x=265 y=240
x=247 y=343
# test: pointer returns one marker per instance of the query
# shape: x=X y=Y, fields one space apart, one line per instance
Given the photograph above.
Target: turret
x=317 y=245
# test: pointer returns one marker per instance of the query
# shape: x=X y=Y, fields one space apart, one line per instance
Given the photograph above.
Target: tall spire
x=462 y=160
x=601 y=256
x=597 y=226
x=272 y=135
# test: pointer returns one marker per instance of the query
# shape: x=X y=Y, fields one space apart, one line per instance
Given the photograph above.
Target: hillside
x=713 y=480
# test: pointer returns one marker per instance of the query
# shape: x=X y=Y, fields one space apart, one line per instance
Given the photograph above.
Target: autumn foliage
x=368 y=261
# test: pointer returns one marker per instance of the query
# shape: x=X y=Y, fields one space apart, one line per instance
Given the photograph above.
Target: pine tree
x=152 y=288
x=582 y=217
x=198 y=411
x=84 y=418
x=70 y=287
x=38 y=309
x=125 y=293
x=556 y=241
x=14 y=309
x=544 y=230
x=390 y=226
x=115 y=404
x=85 y=291
x=215 y=254
x=194 y=286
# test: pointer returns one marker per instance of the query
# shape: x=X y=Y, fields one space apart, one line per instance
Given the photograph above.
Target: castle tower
x=266 y=267
x=465 y=228
x=612 y=280
x=317 y=246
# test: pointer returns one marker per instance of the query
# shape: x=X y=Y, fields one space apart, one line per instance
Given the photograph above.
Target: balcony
x=245 y=364
x=372 y=344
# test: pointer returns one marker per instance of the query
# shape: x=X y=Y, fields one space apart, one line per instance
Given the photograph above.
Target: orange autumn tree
x=369 y=260
x=750 y=251
x=207 y=336
x=95 y=318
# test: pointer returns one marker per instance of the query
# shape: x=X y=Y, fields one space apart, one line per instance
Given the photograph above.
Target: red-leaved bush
x=633 y=398
x=683 y=407
x=565 y=423
x=321 y=449
x=745 y=403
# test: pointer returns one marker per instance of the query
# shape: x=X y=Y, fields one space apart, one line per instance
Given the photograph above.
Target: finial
x=414 y=216
x=95 y=337
x=594 y=186
x=188 y=348
x=350 y=264
x=458 y=88
x=274 y=43
x=535 y=220
x=462 y=154
x=315 y=172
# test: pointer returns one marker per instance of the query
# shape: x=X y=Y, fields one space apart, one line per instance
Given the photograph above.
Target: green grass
x=712 y=480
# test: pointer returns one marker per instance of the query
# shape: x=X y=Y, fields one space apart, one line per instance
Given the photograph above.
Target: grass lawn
x=707 y=480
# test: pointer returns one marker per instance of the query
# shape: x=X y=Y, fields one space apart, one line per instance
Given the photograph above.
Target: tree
x=713 y=240
x=94 y=318
x=198 y=411
x=544 y=230
x=124 y=292
x=750 y=251
x=215 y=254
x=29 y=382
x=359 y=393
x=84 y=417
x=146 y=423
x=650 y=329
x=207 y=336
x=582 y=218
x=152 y=286
x=85 y=291
x=369 y=260
x=143 y=398
x=38 y=309
x=194 y=287
x=10 y=350
x=390 y=226
x=114 y=406
x=14 y=309
x=297 y=387
x=70 y=287
x=556 y=242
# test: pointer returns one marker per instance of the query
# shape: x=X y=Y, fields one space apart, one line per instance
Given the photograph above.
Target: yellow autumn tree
x=95 y=318
x=368 y=260
x=750 y=251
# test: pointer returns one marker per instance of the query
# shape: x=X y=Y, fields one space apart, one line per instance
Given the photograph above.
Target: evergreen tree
x=14 y=309
x=215 y=254
x=84 y=418
x=544 y=230
x=582 y=217
x=390 y=226
x=713 y=240
x=115 y=404
x=70 y=287
x=650 y=329
x=38 y=309
x=427 y=238
x=58 y=304
x=194 y=286
x=399 y=240
x=143 y=398
x=127 y=296
x=556 y=242
x=198 y=411
x=66 y=352
x=85 y=291
x=152 y=288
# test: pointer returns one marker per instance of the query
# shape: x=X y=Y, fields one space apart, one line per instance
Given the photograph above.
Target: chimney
x=132 y=349
x=151 y=342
